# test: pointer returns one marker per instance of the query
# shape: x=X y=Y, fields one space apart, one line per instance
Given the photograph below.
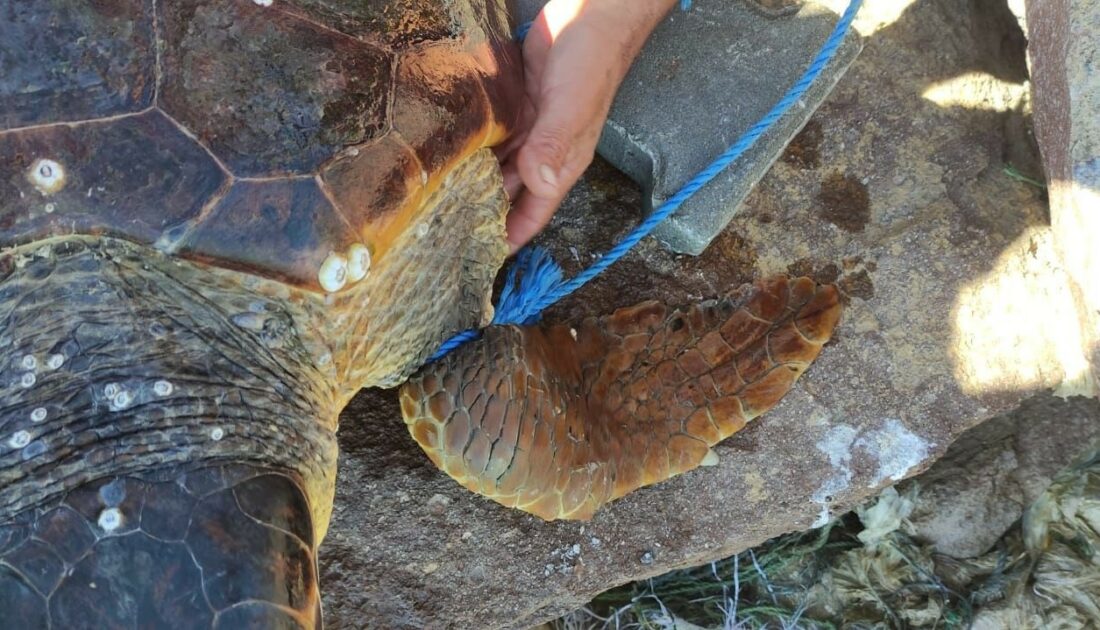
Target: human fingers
x=528 y=217
x=513 y=183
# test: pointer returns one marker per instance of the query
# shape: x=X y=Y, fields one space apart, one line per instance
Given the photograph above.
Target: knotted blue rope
x=535 y=281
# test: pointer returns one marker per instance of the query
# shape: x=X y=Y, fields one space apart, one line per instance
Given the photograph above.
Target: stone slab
x=897 y=188
x=706 y=76
x=1064 y=54
x=981 y=487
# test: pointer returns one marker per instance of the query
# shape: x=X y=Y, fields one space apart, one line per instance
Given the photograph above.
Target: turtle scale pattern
x=558 y=421
x=59 y=565
x=176 y=179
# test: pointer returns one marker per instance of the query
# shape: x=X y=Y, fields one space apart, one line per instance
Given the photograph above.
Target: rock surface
x=1064 y=50
x=897 y=186
x=971 y=496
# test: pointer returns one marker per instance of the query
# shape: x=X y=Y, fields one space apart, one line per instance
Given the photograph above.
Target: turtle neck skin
x=168 y=452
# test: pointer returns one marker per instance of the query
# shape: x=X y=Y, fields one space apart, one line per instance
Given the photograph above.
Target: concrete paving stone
x=705 y=77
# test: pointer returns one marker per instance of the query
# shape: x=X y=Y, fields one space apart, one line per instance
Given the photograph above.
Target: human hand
x=575 y=56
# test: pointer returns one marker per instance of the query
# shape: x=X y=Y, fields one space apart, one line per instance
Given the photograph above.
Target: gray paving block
x=706 y=76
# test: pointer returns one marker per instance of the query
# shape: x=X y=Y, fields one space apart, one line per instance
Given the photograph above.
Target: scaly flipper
x=558 y=422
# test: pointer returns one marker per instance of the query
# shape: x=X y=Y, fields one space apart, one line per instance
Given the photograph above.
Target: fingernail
x=548 y=175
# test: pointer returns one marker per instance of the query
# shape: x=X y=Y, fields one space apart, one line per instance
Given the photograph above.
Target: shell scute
x=440 y=107
x=291 y=516
x=175 y=601
x=21 y=601
x=38 y=564
x=373 y=183
x=133 y=177
x=67 y=60
x=268 y=92
x=222 y=536
x=398 y=23
x=285 y=228
x=68 y=533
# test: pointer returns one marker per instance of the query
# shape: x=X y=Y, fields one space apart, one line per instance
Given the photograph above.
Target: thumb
x=544 y=156
x=562 y=141
x=557 y=150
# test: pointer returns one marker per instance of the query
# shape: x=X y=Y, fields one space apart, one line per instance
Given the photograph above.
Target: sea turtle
x=219 y=219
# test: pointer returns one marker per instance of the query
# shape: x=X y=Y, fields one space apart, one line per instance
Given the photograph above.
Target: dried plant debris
x=867 y=570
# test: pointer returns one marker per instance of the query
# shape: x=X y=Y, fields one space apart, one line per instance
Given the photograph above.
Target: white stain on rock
x=892 y=446
x=836 y=444
x=897 y=449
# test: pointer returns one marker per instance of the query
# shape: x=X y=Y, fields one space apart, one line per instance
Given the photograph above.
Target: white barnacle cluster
x=339 y=269
x=19 y=439
x=250 y=320
x=28 y=378
x=110 y=519
x=47 y=176
x=119 y=398
x=163 y=388
x=263 y=3
x=217 y=434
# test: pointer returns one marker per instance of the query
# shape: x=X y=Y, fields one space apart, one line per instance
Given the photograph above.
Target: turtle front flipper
x=558 y=422
x=220 y=547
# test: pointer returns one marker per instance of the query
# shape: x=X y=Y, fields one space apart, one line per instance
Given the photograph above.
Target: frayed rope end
x=533 y=275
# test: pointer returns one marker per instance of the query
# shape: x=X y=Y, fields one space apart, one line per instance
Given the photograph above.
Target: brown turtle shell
x=249 y=134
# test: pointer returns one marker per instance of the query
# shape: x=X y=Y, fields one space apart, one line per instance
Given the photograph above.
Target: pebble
x=438 y=503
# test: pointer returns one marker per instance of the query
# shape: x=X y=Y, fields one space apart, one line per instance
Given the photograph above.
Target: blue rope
x=540 y=285
x=521 y=32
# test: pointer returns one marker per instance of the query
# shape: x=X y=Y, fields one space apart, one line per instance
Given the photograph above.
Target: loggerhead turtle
x=219 y=219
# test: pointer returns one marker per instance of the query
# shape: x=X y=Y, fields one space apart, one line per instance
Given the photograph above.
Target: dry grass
x=864 y=570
